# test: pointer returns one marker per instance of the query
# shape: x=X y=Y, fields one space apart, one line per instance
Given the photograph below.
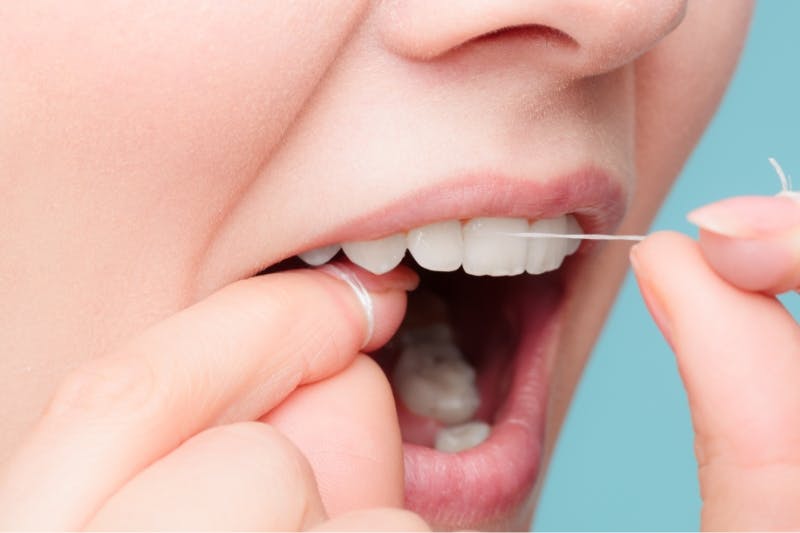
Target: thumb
x=738 y=354
x=346 y=426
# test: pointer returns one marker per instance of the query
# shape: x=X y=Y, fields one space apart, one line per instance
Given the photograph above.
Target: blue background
x=625 y=458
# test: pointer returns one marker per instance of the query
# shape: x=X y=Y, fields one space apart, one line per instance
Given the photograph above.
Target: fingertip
x=346 y=426
x=650 y=260
x=757 y=265
x=381 y=298
x=753 y=242
x=655 y=250
x=748 y=217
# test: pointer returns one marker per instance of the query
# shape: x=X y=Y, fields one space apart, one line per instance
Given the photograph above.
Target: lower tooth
x=434 y=380
x=463 y=437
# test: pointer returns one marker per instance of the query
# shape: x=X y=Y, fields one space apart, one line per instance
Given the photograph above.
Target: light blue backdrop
x=625 y=459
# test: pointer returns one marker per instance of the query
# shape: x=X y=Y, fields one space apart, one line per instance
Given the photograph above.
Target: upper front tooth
x=481 y=245
x=574 y=228
x=319 y=256
x=545 y=255
x=378 y=256
x=437 y=246
x=488 y=252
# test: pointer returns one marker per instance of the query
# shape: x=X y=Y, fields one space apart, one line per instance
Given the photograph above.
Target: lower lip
x=487 y=483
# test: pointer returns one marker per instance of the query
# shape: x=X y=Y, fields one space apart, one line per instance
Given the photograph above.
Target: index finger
x=231 y=357
x=753 y=242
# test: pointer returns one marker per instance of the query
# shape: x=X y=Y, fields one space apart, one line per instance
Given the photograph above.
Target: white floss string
x=579 y=236
x=786 y=181
x=786 y=190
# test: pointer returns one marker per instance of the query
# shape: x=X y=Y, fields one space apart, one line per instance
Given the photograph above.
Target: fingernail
x=748 y=217
x=651 y=299
x=362 y=282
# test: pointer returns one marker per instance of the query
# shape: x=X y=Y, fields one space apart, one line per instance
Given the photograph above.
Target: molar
x=435 y=380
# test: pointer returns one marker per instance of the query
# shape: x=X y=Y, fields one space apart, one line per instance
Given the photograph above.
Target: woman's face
x=151 y=153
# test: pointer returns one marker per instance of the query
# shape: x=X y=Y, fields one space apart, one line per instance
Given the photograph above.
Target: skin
x=154 y=155
x=742 y=386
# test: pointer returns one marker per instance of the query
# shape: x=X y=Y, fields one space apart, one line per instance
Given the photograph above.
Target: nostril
x=547 y=35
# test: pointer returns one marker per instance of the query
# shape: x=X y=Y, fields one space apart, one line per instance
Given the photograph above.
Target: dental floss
x=786 y=181
x=581 y=236
x=786 y=190
x=361 y=293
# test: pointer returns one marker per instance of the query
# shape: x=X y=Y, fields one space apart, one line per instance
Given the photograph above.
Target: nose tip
x=579 y=37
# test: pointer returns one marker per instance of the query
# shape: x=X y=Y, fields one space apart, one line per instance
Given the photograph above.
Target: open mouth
x=469 y=364
x=466 y=365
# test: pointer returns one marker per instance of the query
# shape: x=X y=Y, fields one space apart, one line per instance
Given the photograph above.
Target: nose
x=575 y=37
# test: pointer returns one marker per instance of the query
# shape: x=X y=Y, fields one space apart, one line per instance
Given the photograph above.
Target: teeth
x=479 y=245
x=488 y=253
x=378 y=256
x=437 y=246
x=462 y=437
x=435 y=381
x=545 y=255
x=574 y=228
x=320 y=256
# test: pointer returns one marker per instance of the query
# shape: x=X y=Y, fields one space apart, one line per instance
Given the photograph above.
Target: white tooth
x=378 y=256
x=488 y=252
x=545 y=255
x=320 y=256
x=459 y=438
x=434 y=380
x=437 y=246
x=575 y=228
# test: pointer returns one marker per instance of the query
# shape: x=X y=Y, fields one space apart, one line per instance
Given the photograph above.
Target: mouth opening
x=482 y=321
x=470 y=465
x=452 y=364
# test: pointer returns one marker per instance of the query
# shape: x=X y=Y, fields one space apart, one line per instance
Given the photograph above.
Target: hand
x=738 y=353
x=250 y=410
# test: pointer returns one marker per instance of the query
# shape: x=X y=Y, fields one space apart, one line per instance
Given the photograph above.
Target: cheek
x=677 y=91
x=678 y=86
x=126 y=128
x=153 y=111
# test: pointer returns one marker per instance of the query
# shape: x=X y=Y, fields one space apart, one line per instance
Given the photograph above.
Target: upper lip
x=597 y=199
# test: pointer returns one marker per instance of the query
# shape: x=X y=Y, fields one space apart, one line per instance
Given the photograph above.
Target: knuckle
x=107 y=386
